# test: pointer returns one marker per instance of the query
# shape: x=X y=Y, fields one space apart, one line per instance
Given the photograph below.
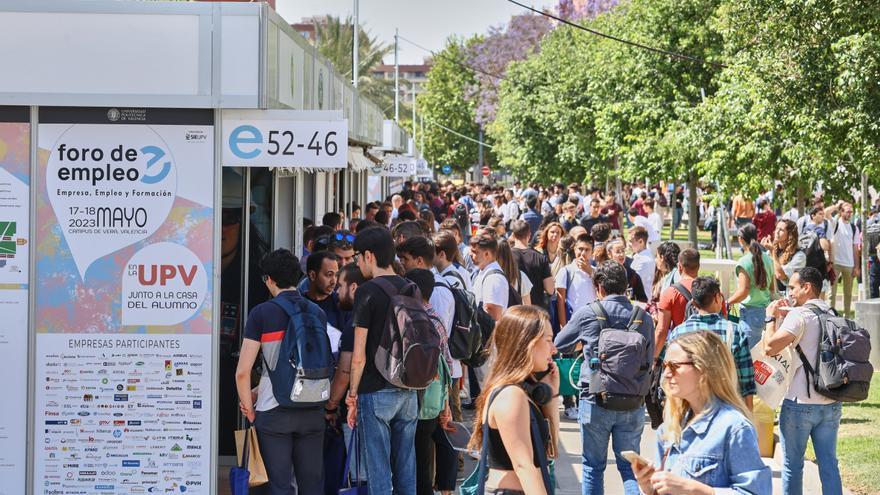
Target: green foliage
x=335 y=39
x=798 y=100
x=443 y=102
x=544 y=126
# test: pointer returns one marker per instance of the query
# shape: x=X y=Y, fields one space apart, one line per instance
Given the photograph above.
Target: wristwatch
x=769 y=319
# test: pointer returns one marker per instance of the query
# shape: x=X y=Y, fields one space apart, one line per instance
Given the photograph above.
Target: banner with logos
x=14 y=272
x=124 y=262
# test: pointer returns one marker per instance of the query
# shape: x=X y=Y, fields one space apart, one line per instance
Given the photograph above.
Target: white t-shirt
x=580 y=286
x=462 y=281
x=525 y=285
x=842 y=241
x=657 y=222
x=803 y=324
x=444 y=304
x=491 y=289
x=643 y=263
x=653 y=234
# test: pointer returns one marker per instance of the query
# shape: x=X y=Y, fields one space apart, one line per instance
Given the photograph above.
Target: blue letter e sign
x=245 y=134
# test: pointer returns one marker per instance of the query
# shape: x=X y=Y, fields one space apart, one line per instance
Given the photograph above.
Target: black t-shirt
x=370 y=310
x=537 y=267
x=268 y=317
x=335 y=316
x=588 y=221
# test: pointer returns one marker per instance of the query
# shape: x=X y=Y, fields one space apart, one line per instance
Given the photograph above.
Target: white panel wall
x=240 y=55
x=110 y=53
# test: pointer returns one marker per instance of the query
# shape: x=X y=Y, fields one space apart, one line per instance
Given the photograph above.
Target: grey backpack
x=624 y=365
x=840 y=370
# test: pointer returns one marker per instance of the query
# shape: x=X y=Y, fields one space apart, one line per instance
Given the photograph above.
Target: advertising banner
x=14 y=263
x=285 y=138
x=123 y=298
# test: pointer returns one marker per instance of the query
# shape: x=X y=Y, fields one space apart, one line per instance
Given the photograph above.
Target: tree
x=544 y=125
x=335 y=40
x=443 y=103
x=492 y=55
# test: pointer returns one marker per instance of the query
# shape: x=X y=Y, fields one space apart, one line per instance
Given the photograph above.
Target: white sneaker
x=571 y=413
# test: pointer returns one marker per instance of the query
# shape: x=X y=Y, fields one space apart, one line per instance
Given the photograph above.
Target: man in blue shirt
x=532 y=216
x=598 y=423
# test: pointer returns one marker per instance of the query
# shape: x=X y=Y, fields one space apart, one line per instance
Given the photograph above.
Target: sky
x=426 y=22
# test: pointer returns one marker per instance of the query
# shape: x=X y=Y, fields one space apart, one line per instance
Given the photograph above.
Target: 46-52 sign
x=285 y=143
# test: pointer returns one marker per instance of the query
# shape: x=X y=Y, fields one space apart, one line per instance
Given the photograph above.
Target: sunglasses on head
x=345 y=236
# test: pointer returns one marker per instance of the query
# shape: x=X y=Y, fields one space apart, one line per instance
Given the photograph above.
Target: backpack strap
x=683 y=291
x=808 y=368
x=483 y=465
x=601 y=315
x=457 y=275
x=637 y=317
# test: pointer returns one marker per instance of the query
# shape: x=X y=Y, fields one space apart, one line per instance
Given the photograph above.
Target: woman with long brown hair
x=784 y=249
x=517 y=278
x=518 y=400
x=548 y=243
x=754 y=281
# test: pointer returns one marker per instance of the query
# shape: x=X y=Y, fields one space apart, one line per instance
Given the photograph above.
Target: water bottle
x=595 y=382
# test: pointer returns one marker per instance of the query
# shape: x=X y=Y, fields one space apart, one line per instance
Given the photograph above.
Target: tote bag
x=249 y=459
x=773 y=374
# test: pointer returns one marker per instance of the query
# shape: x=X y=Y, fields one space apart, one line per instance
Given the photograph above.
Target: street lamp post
x=355 y=57
x=396 y=78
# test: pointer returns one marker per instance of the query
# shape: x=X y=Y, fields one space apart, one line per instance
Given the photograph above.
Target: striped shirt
x=742 y=351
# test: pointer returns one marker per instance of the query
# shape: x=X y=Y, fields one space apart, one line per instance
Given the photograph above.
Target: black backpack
x=460 y=214
x=513 y=296
x=689 y=309
x=842 y=371
x=872 y=238
x=466 y=336
x=808 y=243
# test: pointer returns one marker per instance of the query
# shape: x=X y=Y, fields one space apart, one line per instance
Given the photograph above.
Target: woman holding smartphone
x=707 y=440
x=519 y=405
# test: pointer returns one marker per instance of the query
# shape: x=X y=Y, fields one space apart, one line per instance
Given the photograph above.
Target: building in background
x=412 y=77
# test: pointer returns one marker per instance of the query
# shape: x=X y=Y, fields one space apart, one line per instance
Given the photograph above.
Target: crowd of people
x=451 y=297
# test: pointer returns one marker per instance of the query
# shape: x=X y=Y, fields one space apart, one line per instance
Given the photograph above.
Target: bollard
x=868 y=317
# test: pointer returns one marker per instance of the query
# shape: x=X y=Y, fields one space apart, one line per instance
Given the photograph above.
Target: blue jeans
x=874 y=278
x=597 y=425
x=799 y=422
x=358 y=467
x=753 y=316
x=387 y=422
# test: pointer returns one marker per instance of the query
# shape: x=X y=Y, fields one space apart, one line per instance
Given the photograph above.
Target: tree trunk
x=693 y=211
x=674 y=210
x=800 y=199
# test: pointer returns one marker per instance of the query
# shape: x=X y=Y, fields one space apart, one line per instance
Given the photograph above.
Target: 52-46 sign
x=285 y=143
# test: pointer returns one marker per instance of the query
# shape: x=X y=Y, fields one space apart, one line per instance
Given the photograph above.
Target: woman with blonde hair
x=517 y=417
x=707 y=439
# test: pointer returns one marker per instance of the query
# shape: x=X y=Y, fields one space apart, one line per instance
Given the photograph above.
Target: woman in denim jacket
x=707 y=444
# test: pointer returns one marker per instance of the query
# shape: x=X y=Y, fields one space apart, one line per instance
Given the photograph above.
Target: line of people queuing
x=552 y=273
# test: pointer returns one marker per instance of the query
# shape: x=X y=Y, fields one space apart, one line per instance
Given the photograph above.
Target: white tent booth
x=129 y=239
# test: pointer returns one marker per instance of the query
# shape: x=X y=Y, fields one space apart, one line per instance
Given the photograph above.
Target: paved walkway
x=568 y=466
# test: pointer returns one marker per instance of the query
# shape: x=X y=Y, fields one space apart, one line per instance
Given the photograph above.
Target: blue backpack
x=301 y=363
